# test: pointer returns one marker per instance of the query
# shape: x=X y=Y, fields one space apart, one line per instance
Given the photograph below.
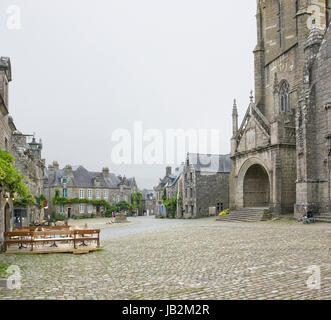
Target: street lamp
x=6 y=196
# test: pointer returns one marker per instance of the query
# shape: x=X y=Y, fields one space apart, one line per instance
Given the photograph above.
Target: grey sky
x=82 y=69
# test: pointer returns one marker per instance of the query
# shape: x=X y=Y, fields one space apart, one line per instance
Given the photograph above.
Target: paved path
x=202 y=259
x=142 y=225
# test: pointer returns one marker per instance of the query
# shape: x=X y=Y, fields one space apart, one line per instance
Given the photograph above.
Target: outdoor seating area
x=51 y=239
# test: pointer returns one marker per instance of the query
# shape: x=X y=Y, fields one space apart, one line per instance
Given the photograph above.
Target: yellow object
x=224 y=213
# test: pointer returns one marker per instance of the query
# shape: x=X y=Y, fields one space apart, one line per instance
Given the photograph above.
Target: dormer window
x=64 y=180
x=97 y=181
x=285 y=97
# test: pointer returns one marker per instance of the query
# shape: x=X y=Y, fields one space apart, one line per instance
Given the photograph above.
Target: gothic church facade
x=281 y=153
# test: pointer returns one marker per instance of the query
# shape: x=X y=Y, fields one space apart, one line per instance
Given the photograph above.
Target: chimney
x=56 y=165
x=69 y=170
x=105 y=173
x=51 y=174
x=168 y=171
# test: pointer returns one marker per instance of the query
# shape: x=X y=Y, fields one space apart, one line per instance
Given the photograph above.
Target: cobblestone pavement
x=203 y=259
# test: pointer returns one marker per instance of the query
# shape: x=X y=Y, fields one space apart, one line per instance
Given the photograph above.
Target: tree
x=13 y=180
x=136 y=199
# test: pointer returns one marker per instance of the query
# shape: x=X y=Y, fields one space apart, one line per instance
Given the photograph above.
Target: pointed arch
x=284 y=95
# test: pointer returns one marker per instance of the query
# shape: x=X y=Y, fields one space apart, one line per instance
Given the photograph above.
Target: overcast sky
x=82 y=69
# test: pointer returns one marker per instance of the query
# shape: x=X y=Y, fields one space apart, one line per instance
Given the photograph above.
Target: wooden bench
x=23 y=237
x=45 y=228
x=86 y=235
x=34 y=238
x=42 y=237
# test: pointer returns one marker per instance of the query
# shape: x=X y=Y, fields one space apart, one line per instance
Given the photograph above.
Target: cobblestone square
x=200 y=259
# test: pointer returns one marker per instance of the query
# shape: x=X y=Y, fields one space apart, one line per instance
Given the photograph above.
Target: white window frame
x=89 y=208
x=81 y=193
x=105 y=194
x=89 y=193
x=81 y=208
x=97 y=194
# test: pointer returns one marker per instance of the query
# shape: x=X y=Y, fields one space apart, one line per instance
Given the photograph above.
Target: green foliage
x=136 y=199
x=171 y=205
x=13 y=180
x=164 y=195
x=57 y=217
x=3 y=269
x=123 y=205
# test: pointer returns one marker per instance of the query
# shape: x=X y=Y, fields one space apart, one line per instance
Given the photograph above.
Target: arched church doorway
x=256 y=187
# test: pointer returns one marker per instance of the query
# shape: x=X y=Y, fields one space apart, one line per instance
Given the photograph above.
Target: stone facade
x=270 y=149
x=6 y=129
x=204 y=185
x=79 y=183
x=159 y=189
x=149 y=202
x=29 y=163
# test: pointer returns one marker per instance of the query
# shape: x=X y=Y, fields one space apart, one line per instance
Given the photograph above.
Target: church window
x=285 y=97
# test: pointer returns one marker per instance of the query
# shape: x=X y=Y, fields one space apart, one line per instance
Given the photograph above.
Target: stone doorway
x=256 y=187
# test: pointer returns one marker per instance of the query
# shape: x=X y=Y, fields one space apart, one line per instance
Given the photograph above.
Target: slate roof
x=174 y=178
x=211 y=163
x=83 y=178
x=163 y=182
x=146 y=193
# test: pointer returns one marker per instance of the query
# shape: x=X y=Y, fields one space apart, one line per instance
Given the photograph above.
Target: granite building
x=204 y=185
x=281 y=151
x=76 y=182
x=29 y=163
x=6 y=128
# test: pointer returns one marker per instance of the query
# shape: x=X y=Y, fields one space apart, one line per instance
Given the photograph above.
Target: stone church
x=281 y=153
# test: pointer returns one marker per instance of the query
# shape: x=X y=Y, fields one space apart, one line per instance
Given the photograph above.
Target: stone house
x=159 y=190
x=204 y=185
x=29 y=163
x=281 y=151
x=168 y=186
x=149 y=202
x=6 y=128
x=79 y=183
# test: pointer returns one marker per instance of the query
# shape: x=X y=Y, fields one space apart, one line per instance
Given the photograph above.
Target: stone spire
x=235 y=118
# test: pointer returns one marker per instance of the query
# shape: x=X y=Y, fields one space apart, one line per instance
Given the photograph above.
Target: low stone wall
x=121 y=218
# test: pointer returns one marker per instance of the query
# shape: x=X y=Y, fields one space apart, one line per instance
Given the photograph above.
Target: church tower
x=264 y=147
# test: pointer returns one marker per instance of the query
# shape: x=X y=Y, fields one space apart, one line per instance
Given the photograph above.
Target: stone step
x=324 y=217
x=244 y=215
